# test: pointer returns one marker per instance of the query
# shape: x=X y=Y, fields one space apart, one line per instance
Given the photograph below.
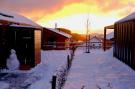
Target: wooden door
x=25 y=47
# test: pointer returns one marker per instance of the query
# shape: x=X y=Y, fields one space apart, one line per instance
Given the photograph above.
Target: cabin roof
x=59 y=32
x=13 y=18
x=127 y=18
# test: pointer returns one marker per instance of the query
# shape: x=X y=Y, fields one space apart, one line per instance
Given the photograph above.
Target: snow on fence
x=59 y=78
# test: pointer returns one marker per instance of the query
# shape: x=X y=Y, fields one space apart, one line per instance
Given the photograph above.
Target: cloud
x=30 y=5
x=36 y=9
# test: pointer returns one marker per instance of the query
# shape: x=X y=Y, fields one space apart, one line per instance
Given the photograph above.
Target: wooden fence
x=59 y=78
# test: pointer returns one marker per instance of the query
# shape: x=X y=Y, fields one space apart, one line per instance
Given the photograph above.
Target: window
x=52 y=42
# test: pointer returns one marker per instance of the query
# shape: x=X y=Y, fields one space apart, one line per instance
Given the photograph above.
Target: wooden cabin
x=95 y=42
x=54 y=39
x=124 y=34
x=19 y=33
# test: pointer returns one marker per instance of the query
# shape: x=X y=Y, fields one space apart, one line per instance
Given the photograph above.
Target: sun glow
x=74 y=17
x=72 y=14
x=77 y=23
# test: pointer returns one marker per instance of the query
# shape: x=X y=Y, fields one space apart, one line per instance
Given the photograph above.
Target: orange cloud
x=35 y=9
x=44 y=11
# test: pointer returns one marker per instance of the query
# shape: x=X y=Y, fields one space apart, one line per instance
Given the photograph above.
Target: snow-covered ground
x=51 y=61
x=4 y=85
x=99 y=70
x=38 y=77
x=95 y=70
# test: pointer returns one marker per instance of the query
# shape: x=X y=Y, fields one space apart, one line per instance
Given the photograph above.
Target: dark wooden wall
x=59 y=40
x=23 y=42
x=22 y=39
x=124 y=45
x=4 y=46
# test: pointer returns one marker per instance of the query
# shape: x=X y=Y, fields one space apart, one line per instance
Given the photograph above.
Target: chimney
x=56 y=27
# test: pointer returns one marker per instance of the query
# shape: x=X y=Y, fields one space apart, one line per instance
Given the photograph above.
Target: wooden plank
x=37 y=46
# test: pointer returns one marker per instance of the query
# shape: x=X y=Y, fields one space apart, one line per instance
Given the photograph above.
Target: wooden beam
x=110 y=27
x=105 y=39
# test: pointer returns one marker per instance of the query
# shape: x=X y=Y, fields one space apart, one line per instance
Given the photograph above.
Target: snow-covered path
x=15 y=80
x=99 y=70
x=51 y=61
x=38 y=77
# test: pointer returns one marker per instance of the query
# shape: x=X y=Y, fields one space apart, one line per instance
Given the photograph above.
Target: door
x=25 y=47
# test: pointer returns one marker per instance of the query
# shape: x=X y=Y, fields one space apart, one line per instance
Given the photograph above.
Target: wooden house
x=95 y=42
x=54 y=39
x=124 y=34
x=21 y=34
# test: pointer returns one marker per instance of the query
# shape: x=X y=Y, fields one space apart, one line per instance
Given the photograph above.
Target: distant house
x=54 y=39
x=19 y=33
x=95 y=42
x=124 y=45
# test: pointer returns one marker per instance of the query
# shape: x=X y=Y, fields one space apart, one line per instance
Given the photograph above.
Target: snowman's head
x=12 y=51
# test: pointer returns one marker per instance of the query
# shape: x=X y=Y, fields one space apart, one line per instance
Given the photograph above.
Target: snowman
x=12 y=61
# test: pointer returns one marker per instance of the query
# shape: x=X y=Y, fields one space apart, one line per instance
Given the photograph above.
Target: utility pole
x=87 y=37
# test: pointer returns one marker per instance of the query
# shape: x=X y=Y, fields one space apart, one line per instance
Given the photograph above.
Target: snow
x=129 y=17
x=59 y=32
x=12 y=61
x=95 y=39
x=51 y=62
x=94 y=70
x=110 y=35
x=14 y=25
x=99 y=70
x=39 y=77
x=16 y=18
x=4 y=85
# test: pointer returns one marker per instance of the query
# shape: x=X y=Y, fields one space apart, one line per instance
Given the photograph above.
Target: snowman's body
x=12 y=61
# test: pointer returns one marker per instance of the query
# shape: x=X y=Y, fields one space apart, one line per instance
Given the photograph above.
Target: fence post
x=54 y=82
x=68 y=62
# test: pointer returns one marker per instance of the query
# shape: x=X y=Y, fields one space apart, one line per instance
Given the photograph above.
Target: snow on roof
x=16 y=18
x=110 y=35
x=95 y=39
x=129 y=17
x=25 y=26
x=59 y=32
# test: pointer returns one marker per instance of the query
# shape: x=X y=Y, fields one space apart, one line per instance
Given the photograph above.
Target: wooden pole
x=68 y=62
x=54 y=82
x=105 y=39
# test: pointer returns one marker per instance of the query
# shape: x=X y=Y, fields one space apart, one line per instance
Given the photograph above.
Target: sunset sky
x=72 y=14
